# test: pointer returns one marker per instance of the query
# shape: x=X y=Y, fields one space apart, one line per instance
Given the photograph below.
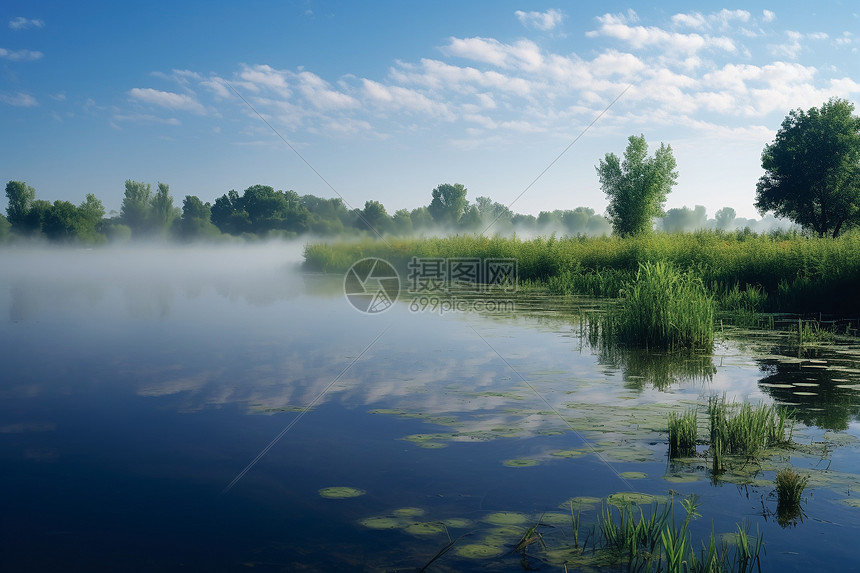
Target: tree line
x=812 y=177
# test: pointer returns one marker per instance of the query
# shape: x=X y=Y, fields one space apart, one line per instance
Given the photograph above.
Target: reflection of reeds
x=744 y=430
x=789 y=491
x=682 y=434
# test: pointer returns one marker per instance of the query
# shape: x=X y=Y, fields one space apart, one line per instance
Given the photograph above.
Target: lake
x=209 y=409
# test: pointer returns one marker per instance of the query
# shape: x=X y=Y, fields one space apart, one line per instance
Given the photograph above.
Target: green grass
x=789 y=492
x=660 y=543
x=683 y=432
x=744 y=272
x=664 y=309
x=744 y=430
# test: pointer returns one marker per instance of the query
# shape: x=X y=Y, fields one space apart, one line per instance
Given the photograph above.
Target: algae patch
x=340 y=492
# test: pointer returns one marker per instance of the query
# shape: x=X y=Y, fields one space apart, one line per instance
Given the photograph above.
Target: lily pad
x=381 y=522
x=479 y=551
x=506 y=518
x=425 y=528
x=633 y=475
x=521 y=463
x=634 y=498
x=340 y=492
x=408 y=512
x=568 y=453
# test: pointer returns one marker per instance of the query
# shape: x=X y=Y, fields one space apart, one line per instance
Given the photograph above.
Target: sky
x=385 y=100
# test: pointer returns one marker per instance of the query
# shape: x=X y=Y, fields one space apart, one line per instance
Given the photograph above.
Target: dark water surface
x=139 y=386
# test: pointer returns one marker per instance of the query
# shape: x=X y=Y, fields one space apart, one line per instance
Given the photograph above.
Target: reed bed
x=743 y=271
x=789 y=493
x=659 y=543
x=664 y=309
x=683 y=433
x=744 y=430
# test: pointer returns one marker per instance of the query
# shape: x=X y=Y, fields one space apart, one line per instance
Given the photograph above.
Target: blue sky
x=388 y=99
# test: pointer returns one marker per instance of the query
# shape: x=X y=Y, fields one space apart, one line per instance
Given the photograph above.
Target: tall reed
x=683 y=432
x=744 y=430
x=663 y=308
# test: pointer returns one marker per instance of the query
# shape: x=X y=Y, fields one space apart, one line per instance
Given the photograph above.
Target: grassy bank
x=745 y=272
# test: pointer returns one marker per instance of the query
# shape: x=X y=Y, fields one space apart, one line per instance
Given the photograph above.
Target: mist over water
x=139 y=382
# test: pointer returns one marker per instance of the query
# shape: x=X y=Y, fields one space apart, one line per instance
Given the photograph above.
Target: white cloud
x=768 y=16
x=19 y=100
x=19 y=55
x=259 y=77
x=694 y=20
x=319 y=93
x=545 y=21
x=616 y=26
x=21 y=23
x=394 y=98
x=167 y=100
x=793 y=47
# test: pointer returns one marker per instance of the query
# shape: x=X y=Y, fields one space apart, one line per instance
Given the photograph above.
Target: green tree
x=91 y=213
x=5 y=229
x=471 y=219
x=163 y=212
x=637 y=186
x=401 y=222
x=421 y=219
x=685 y=219
x=725 y=218
x=62 y=222
x=448 y=203
x=229 y=215
x=374 y=218
x=136 y=208
x=21 y=197
x=195 y=222
x=35 y=218
x=811 y=168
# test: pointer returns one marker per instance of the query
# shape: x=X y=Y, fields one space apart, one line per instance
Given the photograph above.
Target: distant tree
x=401 y=222
x=195 y=222
x=421 y=219
x=598 y=225
x=374 y=218
x=524 y=223
x=5 y=229
x=62 y=222
x=448 y=204
x=471 y=220
x=685 y=219
x=725 y=218
x=21 y=197
x=35 y=219
x=229 y=215
x=637 y=186
x=163 y=213
x=549 y=220
x=811 y=168
x=576 y=222
x=136 y=207
x=261 y=210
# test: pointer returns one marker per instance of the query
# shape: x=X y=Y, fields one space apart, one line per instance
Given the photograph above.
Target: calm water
x=153 y=418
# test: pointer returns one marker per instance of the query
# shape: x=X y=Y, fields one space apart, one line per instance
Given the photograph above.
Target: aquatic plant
x=683 y=431
x=789 y=491
x=746 y=273
x=663 y=308
x=744 y=430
